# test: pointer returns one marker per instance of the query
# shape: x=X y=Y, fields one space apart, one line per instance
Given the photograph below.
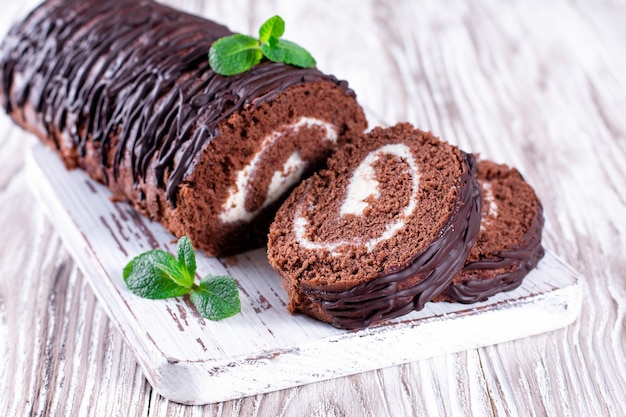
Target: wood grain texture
x=539 y=85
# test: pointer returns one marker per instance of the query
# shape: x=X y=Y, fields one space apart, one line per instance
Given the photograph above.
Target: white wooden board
x=191 y=360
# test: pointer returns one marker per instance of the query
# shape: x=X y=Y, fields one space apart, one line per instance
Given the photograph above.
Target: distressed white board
x=191 y=360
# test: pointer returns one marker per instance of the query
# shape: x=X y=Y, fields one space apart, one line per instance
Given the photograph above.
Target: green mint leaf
x=157 y=274
x=217 y=297
x=187 y=258
x=149 y=275
x=289 y=53
x=274 y=27
x=238 y=53
x=234 y=54
x=272 y=51
x=175 y=271
x=271 y=42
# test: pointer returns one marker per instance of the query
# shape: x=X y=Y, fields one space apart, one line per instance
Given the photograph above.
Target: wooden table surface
x=538 y=85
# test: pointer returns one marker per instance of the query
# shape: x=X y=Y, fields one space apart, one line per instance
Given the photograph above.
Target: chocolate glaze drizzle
x=131 y=79
x=386 y=296
x=515 y=263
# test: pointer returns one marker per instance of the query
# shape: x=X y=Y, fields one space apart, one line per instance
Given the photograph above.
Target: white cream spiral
x=362 y=189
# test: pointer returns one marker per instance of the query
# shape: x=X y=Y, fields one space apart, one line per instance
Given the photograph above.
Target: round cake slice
x=509 y=241
x=380 y=232
x=124 y=90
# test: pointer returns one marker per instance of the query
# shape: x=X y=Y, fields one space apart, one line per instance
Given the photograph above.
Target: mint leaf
x=234 y=54
x=289 y=53
x=157 y=274
x=272 y=51
x=187 y=258
x=149 y=275
x=175 y=271
x=217 y=297
x=273 y=27
x=238 y=53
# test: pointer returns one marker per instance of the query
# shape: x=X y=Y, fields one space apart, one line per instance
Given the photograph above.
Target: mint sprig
x=157 y=274
x=238 y=53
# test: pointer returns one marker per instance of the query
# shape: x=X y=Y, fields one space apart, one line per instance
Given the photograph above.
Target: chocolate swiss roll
x=380 y=232
x=124 y=90
x=508 y=245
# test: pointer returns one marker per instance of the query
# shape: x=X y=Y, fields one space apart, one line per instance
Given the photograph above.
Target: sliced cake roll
x=379 y=233
x=509 y=241
x=124 y=90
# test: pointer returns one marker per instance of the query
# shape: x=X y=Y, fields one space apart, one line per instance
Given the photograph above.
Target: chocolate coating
x=385 y=297
x=515 y=262
x=131 y=79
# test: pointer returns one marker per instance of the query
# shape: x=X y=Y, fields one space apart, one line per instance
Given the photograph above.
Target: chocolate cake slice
x=509 y=241
x=379 y=233
x=123 y=89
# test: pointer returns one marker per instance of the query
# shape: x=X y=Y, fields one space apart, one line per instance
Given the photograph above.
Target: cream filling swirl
x=490 y=201
x=362 y=189
x=234 y=208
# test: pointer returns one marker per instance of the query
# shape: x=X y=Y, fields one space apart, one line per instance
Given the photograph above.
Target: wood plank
x=190 y=360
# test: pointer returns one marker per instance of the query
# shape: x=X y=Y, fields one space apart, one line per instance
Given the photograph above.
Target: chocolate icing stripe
x=475 y=290
x=517 y=263
x=387 y=295
x=132 y=76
